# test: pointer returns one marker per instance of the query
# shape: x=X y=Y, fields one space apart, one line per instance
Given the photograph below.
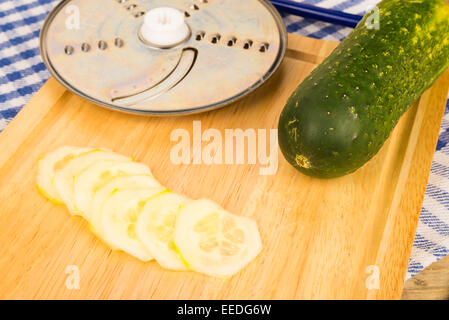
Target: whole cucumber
x=342 y=113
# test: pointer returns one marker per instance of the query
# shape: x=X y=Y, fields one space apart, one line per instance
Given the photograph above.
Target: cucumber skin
x=341 y=114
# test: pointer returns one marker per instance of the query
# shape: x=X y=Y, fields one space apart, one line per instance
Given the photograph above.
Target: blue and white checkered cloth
x=22 y=73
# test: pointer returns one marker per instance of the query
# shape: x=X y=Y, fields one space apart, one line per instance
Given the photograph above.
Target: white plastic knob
x=164 y=27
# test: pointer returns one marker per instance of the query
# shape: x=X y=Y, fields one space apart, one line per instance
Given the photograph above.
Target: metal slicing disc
x=95 y=49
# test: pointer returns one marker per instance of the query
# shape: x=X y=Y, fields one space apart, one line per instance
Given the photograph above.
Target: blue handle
x=314 y=12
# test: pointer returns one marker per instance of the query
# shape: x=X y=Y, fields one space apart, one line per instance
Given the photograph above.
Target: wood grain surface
x=430 y=284
x=319 y=236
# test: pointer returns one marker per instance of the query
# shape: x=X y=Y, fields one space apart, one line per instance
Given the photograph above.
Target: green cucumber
x=342 y=113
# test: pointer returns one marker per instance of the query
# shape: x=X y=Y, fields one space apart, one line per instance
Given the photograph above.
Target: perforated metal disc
x=93 y=48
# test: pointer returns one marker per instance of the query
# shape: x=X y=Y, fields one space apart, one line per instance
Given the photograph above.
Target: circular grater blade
x=96 y=50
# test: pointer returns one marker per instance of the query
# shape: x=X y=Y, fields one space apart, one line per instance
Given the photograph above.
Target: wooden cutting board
x=320 y=237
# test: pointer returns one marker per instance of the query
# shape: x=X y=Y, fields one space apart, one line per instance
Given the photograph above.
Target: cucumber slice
x=130 y=211
x=49 y=164
x=155 y=228
x=97 y=176
x=119 y=213
x=214 y=241
x=135 y=182
x=64 y=178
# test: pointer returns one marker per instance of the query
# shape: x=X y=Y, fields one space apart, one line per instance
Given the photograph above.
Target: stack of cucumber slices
x=131 y=211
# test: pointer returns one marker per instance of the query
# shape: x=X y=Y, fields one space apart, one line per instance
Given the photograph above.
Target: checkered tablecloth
x=22 y=73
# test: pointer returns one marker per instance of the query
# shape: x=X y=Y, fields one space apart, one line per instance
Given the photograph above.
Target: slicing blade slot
x=181 y=70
